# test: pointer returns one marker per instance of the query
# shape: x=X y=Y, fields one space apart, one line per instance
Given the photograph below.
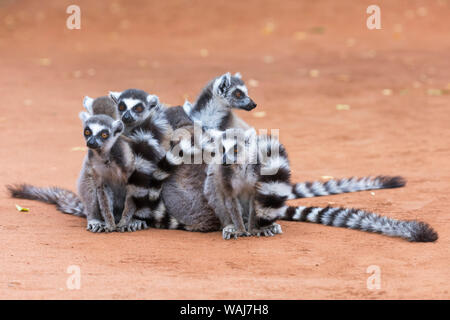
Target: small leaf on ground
x=253 y=83
x=20 y=209
x=342 y=107
x=259 y=114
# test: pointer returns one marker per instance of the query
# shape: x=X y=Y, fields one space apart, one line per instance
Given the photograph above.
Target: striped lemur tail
x=345 y=185
x=66 y=201
x=414 y=231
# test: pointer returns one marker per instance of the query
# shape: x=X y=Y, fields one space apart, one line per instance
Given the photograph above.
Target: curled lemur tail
x=414 y=231
x=66 y=201
x=318 y=188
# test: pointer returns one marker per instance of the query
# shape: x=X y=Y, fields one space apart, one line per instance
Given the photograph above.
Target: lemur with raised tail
x=213 y=109
x=252 y=183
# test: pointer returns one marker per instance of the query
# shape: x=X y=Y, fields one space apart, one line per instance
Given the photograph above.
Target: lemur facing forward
x=213 y=109
x=236 y=187
x=150 y=134
x=105 y=185
x=102 y=180
x=252 y=184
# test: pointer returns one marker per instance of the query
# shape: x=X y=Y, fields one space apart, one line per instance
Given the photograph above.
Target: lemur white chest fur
x=212 y=114
x=212 y=109
x=109 y=171
x=243 y=181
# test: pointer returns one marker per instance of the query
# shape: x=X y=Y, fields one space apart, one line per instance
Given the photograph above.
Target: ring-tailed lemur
x=237 y=190
x=252 y=185
x=213 y=109
x=102 y=180
x=150 y=136
x=103 y=184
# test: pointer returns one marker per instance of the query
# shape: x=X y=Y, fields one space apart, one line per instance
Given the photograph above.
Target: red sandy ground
x=172 y=49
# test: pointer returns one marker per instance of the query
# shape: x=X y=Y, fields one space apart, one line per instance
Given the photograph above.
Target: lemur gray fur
x=252 y=184
x=103 y=184
x=150 y=137
x=187 y=181
x=213 y=109
x=102 y=180
x=235 y=187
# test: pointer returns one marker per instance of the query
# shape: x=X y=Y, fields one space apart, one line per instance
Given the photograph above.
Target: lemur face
x=100 y=131
x=233 y=91
x=134 y=105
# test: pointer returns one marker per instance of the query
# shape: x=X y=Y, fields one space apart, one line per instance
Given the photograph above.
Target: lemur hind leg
x=267 y=231
x=237 y=229
x=127 y=222
x=105 y=200
x=89 y=195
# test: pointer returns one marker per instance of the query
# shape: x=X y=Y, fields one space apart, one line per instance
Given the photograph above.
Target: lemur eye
x=105 y=135
x=87 y=132
x=238 y=94
x=139 y=108
x=122 y=106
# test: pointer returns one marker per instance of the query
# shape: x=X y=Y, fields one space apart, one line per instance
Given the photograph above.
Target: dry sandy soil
x=304 y=58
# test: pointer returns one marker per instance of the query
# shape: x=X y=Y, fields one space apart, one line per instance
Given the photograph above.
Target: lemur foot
x=133 y=225
x=230 y=232
x=268 y=231
x=98 y=226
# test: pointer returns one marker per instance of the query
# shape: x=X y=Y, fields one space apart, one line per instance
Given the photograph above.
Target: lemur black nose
x=91 y=143
x=250 y=106
x=127 y=118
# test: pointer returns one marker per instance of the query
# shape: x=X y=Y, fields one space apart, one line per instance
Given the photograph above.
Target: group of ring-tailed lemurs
x=142 y=170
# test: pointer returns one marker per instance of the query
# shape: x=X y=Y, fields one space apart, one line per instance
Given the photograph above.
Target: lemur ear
x=238 y=75
x=222 y=84
x=115 y=96
x=87 y=103
x=84 y=116
x=152 y=100
x=187 y=107
x=117 y=127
